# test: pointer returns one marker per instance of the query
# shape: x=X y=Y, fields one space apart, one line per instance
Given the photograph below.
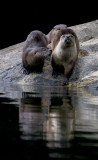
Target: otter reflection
x=48 y=117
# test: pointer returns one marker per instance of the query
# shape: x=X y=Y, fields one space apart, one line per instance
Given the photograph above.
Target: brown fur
x=59 y=64
x=60 y=33
x=54 y=31
x=34 y=51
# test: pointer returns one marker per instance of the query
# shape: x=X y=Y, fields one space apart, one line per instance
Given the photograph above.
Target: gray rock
x=86 y=31
x=84 y=74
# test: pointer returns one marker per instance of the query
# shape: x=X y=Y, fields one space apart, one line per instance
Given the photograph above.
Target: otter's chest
x=64 y=55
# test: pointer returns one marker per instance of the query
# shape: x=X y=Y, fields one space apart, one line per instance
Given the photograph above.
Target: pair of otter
x=61 y=41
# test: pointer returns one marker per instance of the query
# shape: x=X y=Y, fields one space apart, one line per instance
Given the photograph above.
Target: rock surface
x=85 y=72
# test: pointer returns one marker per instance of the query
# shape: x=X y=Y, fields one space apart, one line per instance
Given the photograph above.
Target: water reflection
x=48 y=122
x=53 y=117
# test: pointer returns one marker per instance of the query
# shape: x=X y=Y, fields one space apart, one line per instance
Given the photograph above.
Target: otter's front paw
x=54 y=74
x=65 y=83
x=25 y=71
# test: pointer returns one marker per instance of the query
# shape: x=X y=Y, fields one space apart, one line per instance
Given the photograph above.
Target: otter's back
x=35 y=38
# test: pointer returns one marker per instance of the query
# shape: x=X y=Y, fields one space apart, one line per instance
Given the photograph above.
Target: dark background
x=18 y=20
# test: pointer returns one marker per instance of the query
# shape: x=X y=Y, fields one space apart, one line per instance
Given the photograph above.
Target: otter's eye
x=71 y=36
x=63 y=36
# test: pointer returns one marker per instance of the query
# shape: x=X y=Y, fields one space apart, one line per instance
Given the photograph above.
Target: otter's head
x=67 y=40
x=60 y=26
x=37 y=56
x=35 y=38
x=66 y=37
x=57 y=28
x=55 y=31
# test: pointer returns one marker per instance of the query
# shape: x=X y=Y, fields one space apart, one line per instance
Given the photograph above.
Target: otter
x=34 y=52
x=54 y=32
x=65 y=50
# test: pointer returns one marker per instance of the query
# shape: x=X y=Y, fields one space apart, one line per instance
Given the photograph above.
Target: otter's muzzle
x=68 y=39
x=49 y=53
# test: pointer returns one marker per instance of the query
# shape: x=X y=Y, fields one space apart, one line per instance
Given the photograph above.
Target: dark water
x=48 y=123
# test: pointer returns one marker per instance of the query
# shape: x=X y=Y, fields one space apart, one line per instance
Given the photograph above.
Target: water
x=48 y=123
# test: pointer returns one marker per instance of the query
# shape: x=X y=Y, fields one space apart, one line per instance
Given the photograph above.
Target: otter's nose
x=48 y=54
x=68 y=39
x=50 y=50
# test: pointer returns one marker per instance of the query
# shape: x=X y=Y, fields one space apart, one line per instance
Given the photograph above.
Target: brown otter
x=65 y=46
x=54 y=31
x=34 y=51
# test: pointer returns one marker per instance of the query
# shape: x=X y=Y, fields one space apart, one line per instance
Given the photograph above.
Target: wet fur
x=63 y=60
x=34 y=51
x=54 y=31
